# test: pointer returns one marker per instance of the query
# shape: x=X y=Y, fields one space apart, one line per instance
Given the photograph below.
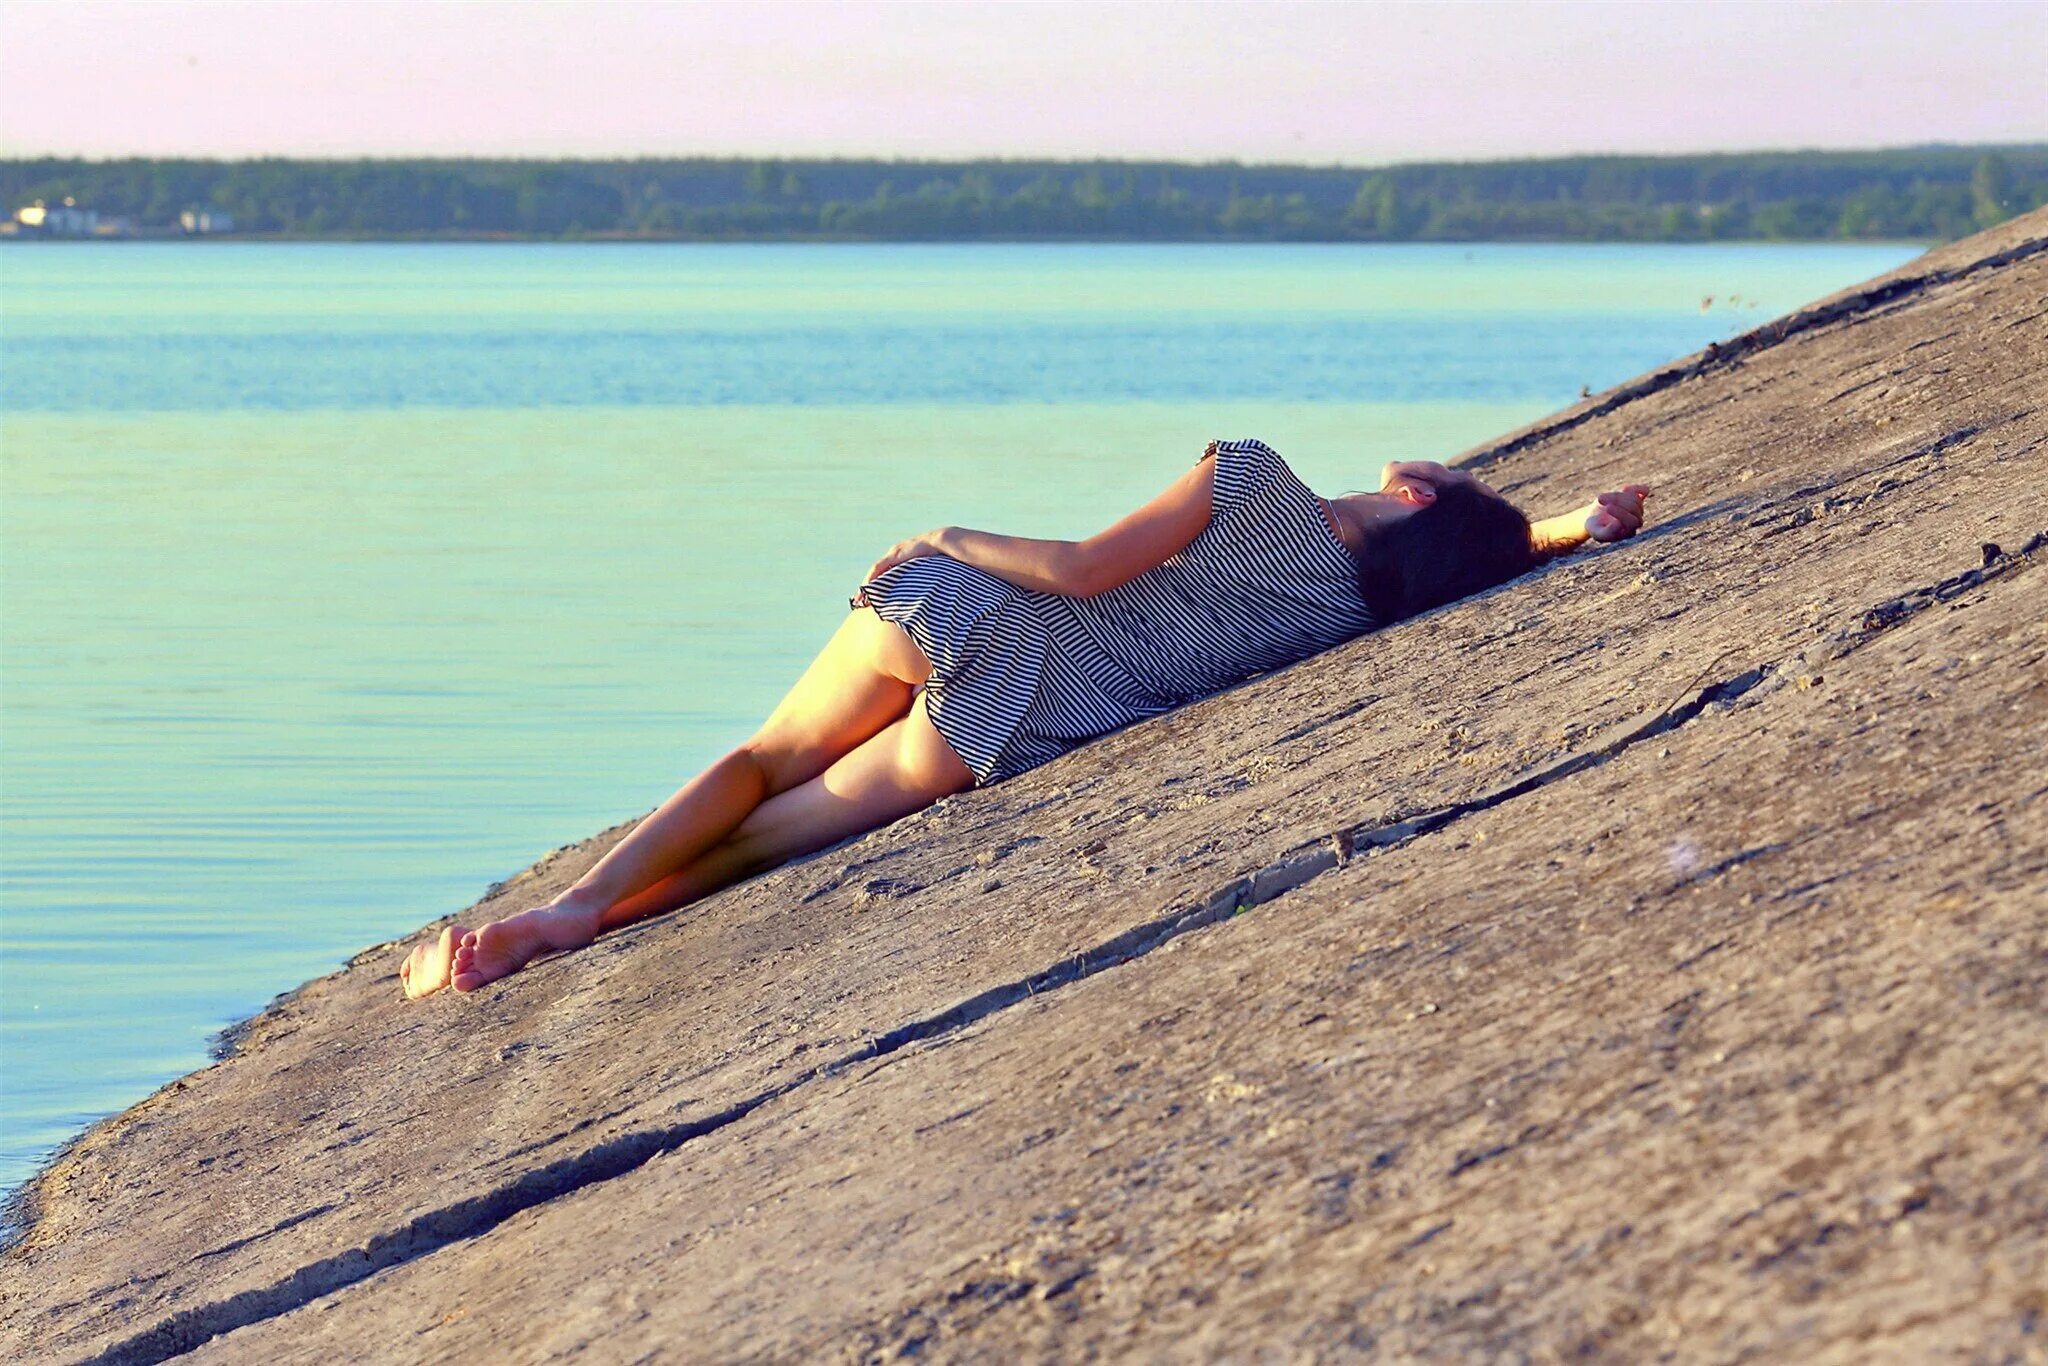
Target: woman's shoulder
x=1242 y=446
x=1244 y=468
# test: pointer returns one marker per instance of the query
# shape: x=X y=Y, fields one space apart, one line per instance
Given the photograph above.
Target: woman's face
x=1416 y=482
x=1406 y=488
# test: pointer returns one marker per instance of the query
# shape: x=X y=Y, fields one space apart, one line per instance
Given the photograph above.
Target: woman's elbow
x=1083 y=574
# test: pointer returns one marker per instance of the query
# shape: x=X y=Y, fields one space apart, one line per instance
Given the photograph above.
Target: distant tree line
x=1938 y=192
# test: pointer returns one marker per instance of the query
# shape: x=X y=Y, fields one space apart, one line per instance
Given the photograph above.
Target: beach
x=1661 y=976
x=340 y=578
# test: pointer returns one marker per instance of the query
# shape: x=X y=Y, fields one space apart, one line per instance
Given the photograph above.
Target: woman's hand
x=1610 y=517
x=915 y=548
x=1616 y=516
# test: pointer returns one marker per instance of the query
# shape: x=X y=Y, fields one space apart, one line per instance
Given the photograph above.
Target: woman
x=970 y=657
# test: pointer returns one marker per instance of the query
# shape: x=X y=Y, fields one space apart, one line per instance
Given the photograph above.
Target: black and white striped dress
x=1020 y=677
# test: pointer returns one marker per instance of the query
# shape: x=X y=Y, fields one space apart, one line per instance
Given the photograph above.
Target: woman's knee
x=781 y=764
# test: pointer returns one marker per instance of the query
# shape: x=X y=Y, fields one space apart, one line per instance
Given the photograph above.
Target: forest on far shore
x=1925 y=193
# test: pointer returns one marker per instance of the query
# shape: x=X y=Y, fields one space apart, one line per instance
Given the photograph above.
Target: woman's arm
x=1155 y=532
x=1610 y=517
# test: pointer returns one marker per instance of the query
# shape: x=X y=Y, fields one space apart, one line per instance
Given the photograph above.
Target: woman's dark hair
x=1464 y=542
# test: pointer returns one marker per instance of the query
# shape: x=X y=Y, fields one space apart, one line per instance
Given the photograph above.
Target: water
x=337 y=581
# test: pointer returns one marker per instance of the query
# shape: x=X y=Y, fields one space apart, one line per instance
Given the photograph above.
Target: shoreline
x=220 y=1041
x=1666 y=956
x=644 y=239
x=228 y=1041
x=18 y=1202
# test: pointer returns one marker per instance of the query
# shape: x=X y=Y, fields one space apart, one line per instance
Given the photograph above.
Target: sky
x=1352 y=83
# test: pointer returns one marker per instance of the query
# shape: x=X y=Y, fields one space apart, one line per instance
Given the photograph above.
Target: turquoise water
x=337 y=581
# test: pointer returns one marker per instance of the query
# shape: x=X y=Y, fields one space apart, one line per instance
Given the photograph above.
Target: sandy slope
x=1648 y=958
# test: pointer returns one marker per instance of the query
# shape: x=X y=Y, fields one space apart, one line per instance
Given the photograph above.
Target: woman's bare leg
x=903 y=768
x=862 y=681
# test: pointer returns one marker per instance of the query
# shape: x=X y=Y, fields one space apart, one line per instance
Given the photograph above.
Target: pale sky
x=1335 y=82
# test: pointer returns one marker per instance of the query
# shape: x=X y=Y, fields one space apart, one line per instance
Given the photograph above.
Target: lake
x=338 y=581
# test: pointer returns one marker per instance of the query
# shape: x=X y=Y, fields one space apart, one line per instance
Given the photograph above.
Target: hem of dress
x=934 y=698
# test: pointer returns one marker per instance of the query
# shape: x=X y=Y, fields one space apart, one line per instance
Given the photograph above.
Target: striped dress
x=1020 y=677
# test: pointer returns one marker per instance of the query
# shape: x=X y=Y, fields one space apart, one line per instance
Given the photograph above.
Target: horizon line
x=1020 y=157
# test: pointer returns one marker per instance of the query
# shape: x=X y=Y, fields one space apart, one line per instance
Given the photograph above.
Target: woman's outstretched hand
x=1616 y=516
x=1610 y=517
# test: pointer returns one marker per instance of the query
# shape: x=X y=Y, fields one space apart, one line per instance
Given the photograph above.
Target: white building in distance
x=206 y=221
x=59 y=220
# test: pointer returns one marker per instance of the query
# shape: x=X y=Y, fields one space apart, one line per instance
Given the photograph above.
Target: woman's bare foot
x=502 y=947
x=427 y=968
